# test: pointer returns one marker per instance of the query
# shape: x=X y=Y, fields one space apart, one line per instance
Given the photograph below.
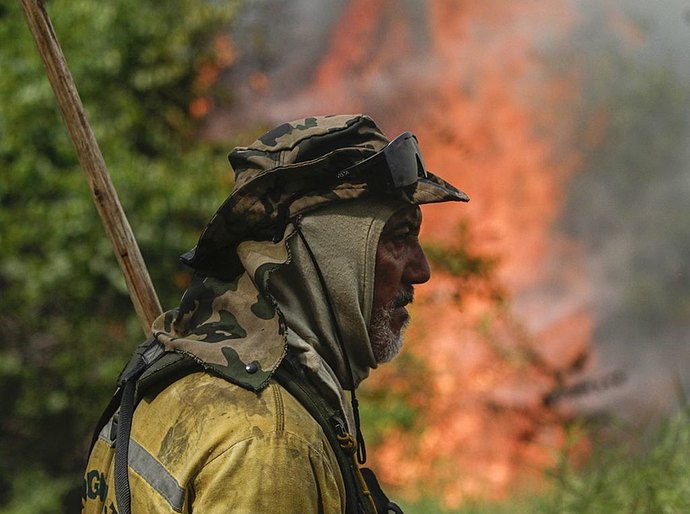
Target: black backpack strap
x=115 y=401
x=124 y=428
x=164 y=369
x=145 y=355
x=383 y=504
x=360 y=497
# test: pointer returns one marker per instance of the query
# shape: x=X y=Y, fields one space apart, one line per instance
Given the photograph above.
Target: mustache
x=403 y=298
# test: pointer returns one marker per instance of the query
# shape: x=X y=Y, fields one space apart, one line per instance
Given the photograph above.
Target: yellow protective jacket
x=206 y=445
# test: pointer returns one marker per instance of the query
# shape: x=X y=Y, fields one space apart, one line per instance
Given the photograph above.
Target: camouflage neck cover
x=229 y=327
x=238 y=329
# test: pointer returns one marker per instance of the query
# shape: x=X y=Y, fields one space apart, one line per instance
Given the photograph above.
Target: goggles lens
x=404 y=160
x=398 y=165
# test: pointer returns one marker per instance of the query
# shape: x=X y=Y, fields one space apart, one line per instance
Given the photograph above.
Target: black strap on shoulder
x=363 y=493
x=125 y=398
x=163 y=370
x=383 y=504
x=124 y=428
x=115 y=401
x=147 y=354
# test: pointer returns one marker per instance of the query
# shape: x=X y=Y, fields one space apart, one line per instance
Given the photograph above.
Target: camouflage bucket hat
x=305 y=164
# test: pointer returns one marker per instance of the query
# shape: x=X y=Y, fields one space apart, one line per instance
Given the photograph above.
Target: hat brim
x=433 y=189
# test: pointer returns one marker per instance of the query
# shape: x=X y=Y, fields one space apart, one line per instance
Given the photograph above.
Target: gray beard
x=385 y=344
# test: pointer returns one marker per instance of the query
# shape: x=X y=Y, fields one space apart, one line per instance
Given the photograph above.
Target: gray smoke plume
x=630 y=205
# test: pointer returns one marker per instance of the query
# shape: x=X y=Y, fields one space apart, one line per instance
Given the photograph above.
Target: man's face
x=400 y=263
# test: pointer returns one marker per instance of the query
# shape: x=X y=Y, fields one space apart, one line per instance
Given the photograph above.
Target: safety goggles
x=397 y=165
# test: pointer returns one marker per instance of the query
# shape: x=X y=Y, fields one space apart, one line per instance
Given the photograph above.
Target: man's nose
x=418 y=268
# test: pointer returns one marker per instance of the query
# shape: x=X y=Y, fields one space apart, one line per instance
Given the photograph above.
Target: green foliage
x=64 y=311
x=614 y=481
x=387 y=403
x=431 y=506
x=34 y=492
x=656 y=481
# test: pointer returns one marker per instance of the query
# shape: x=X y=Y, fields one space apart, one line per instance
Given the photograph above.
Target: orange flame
x=469 y=79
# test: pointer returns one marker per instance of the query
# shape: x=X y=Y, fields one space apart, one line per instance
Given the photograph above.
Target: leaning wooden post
x=117 y=227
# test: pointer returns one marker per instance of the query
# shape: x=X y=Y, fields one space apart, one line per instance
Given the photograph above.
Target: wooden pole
x=105 y=197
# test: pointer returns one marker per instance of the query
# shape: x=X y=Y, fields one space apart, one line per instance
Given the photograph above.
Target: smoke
x=278 y=44
x=629 y=205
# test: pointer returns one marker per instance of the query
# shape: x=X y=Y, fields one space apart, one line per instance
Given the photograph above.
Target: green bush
x=655 y=481
x=64 y=308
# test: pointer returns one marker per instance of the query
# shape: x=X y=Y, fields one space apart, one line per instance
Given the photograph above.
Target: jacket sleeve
x=271 y=473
